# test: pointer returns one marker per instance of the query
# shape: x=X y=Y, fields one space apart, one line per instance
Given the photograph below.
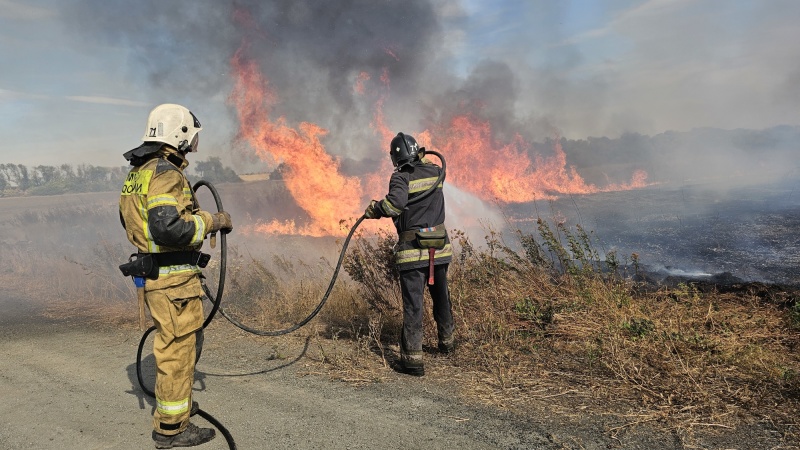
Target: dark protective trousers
x=412 y=285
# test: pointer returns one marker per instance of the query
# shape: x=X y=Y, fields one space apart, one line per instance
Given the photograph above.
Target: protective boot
x=412 y=364
x=447 y=345
x=190 y=437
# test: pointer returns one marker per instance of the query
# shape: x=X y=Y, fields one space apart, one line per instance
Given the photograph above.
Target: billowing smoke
x=311 y=52
x=526 y=76
x=518 y=65
x=333 y=63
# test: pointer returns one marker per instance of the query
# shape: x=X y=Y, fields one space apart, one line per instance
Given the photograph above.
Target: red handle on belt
x=431 y=251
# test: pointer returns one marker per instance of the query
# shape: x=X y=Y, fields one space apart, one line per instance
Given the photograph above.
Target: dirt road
x=67 y=386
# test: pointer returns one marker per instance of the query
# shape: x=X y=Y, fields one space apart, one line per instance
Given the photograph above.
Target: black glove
x=372 y=211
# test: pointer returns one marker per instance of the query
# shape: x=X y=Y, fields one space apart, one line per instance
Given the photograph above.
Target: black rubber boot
x=412 y=364
x=190 y=437
x=447 y=346
x=416 y=371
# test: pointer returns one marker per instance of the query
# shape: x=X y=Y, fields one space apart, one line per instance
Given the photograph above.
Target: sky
x=79 y=77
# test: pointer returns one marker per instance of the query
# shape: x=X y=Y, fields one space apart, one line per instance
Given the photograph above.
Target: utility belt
x=433 y=238
x=146 y=265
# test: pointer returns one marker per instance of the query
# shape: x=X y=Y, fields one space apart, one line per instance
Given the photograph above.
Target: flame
x=312 y=176
x=505 y=172
x=638 y=181
x=376 y=183
x=379 y=122
x=362 y=78
x=391 y=52
x=476 y=163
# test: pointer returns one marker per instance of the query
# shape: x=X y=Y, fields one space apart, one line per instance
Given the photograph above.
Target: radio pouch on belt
x=432 y=240
x=143 y=266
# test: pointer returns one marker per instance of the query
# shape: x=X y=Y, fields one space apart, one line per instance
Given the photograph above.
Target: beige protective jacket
x=160 y=214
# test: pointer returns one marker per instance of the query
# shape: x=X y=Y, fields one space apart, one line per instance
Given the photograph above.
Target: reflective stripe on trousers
x=421 y=254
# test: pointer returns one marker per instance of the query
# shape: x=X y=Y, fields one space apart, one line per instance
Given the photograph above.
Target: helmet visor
x=195 y=142
x=196 y=122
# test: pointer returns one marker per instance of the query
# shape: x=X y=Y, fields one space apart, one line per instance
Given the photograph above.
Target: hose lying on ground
x=319 y=305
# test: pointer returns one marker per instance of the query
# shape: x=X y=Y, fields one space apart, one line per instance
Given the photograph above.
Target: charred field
x=666 y=306
x=705 y=232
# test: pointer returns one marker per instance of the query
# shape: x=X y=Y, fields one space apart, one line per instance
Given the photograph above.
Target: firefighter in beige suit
x=163 y=220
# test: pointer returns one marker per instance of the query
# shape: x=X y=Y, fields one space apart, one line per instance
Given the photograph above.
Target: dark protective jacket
x=160 y=214
x=405 y=184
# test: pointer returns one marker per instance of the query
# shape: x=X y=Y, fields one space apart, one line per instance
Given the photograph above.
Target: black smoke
x=311 y=52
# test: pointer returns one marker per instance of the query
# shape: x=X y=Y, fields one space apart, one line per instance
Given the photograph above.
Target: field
x=663 y=317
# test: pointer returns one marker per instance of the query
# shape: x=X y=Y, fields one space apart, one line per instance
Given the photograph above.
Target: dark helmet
x=404 y=150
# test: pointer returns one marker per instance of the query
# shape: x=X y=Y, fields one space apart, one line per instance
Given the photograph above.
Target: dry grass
x=278 y=293
x=67 y=270
x=552 y=321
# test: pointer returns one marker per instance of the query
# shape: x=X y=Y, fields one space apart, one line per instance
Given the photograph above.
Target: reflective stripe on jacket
x=420 y=255
x=405 y=184
x=160 y=214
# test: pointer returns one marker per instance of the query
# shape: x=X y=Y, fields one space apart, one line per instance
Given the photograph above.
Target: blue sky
x=584 y=68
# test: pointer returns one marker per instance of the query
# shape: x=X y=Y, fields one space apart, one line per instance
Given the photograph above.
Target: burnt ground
x=692 y=231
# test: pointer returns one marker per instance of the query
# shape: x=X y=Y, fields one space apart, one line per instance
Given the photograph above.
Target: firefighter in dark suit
x=423 y=252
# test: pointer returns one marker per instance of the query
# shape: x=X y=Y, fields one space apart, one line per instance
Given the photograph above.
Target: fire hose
x=216 y=300
x=316 y=310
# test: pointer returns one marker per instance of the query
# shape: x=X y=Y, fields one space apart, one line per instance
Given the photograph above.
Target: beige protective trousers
x=178 y=314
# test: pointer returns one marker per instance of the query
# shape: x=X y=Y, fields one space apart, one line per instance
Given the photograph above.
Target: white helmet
x=173 y=125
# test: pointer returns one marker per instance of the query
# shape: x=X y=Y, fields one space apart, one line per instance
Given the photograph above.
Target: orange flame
x=476 y=163
x=390 y=51
x=362 y=78
x=377 y=182
x=504 y=172
x=312 y=175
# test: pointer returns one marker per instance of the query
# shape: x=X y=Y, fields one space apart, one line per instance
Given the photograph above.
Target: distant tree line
x=20 y=180
x=213 y=171
x=669 y=156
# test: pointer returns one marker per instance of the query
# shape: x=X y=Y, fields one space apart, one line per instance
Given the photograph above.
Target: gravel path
x=74 y=387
